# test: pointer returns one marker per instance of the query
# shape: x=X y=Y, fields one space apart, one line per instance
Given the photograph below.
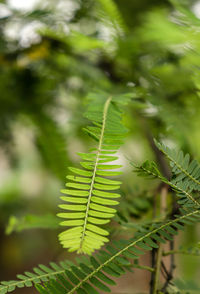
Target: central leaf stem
x=105 y=111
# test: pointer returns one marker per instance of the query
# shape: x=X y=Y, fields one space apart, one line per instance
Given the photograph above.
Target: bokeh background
x=52 y=54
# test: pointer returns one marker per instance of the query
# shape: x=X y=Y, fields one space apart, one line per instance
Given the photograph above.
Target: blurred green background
x=52 y=54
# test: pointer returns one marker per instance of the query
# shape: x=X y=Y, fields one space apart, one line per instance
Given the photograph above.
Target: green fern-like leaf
x=90 y=192
x=184 y=170
x=96 y=273
x=39 y=274
x=150 y=169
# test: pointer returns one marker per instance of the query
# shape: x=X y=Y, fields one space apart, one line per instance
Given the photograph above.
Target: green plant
x=91 y=193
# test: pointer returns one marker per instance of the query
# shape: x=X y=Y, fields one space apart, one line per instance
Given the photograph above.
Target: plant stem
x=156 y=277
x=153 y=257
x=144 y=267
x=167 y=173
x=172 y=258
x=153 y=252
x=172 y=267
x=105 y=111
x=185 y=252
x=157 y=269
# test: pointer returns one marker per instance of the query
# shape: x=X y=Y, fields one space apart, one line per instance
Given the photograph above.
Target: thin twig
x=172 y=267
x=164 y=270
x=164 y=188
x=163 y=197
x=153 y=252
x=157 y=270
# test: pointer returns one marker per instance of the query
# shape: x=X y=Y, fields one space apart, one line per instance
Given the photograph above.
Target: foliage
x=114 y=259
x=94 y=191
x=58 y=59
x=40 y=274
x=185 y=172
x=30 y=221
